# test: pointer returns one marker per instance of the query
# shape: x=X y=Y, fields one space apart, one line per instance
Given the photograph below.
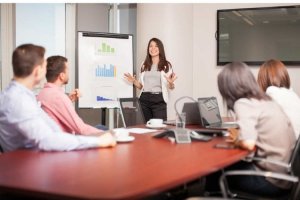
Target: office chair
x=293 y=168
x=131 y=112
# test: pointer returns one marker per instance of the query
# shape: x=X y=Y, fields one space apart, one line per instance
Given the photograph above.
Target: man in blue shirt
x=23 y=124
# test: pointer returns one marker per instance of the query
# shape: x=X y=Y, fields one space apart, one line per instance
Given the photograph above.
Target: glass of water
x=180 y=120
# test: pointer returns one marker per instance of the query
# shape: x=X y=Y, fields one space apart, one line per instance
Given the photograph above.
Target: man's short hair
x=55 y=65
x=25 y=57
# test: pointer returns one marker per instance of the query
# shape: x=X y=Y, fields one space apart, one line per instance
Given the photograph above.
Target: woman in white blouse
x=156 y=80
x=273 y=78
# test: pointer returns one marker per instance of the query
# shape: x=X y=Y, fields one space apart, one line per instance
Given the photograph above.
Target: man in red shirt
x=57 y=104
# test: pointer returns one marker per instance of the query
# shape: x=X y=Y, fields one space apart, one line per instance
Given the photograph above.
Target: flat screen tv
x=254 y=35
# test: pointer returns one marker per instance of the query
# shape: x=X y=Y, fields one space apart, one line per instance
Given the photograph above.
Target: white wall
x=173 y=24
x=188 y=33
x=205 y=48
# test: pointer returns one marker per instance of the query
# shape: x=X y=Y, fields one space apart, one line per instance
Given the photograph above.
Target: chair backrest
x=295 y=170
x=131 y=111
x=295 y=159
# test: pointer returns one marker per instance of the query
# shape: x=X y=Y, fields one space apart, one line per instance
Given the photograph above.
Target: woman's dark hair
x=55 y=66
x=273 y=73
x=163 y=63
x=25 y=57
x=237 y=81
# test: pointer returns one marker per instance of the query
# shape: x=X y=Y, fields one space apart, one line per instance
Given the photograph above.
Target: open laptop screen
x=192 y=113
x=209 y=111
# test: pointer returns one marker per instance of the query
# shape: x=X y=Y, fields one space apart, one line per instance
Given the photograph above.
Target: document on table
x=141 y=130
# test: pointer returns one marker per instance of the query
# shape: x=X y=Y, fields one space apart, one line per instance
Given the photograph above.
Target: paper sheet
x=142 y=130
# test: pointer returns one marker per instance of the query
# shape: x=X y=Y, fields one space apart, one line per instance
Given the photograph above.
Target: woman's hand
x=129 y=77
x=234 y=139
x=171 y=80
x=233 y=135
x=132 y=79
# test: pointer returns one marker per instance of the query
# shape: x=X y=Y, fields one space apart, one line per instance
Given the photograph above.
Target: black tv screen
x=254 y=35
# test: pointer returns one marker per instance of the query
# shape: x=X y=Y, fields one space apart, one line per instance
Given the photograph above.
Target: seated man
x=56 y=103
x=23 y=124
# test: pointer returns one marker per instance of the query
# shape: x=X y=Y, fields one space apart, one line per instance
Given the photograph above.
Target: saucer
x=156 y=126
x=125 y=139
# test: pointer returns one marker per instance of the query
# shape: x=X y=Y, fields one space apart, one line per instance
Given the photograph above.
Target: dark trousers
x=153 y=106
x=251 y=184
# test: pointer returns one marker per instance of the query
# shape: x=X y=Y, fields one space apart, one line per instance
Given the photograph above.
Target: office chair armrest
x=224 y=187
x=275 y=162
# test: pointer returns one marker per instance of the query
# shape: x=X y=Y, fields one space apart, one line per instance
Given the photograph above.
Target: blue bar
x=105 y=70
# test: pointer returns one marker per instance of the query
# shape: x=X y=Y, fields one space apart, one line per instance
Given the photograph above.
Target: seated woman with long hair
x=263 y=128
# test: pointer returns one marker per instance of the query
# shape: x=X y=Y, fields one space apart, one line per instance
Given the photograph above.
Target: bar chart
x=106 y=70
x=100 y=98
x=104 y=49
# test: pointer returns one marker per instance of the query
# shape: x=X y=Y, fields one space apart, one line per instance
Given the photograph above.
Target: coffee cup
x=121 y=133
x=155 y=122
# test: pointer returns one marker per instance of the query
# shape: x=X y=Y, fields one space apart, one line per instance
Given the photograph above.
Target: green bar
x=112 y=50
x=107 y=48
x=103 y=47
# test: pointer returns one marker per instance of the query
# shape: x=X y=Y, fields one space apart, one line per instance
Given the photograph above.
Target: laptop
x=210 y=114
x=192 y=114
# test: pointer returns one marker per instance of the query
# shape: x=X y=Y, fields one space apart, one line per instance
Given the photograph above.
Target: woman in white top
x=156 y=80
x=274 y=79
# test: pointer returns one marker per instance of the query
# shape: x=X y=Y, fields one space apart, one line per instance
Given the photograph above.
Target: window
x=41 y=24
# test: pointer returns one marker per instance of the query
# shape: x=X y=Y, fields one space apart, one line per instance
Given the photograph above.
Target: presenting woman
x=155 y=82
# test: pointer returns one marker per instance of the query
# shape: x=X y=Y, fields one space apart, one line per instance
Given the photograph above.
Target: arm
x=247 y=115
x=247 y=144
x=73 y=121
x=41 y=132
x=234 y=138
x=170 y=79
x=62 y=109
x=132 y=79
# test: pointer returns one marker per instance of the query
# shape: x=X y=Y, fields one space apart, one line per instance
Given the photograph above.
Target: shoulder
x=244 y=102
x=282 y=94
x=273 y=90
x=18 y=104
x=50 y=92
x=245 y=105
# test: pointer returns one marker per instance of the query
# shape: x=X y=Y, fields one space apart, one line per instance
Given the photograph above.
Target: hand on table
x=107 y=139
x=233 y=135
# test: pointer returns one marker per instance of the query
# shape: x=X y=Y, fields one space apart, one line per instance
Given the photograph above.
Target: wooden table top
x=141 y=168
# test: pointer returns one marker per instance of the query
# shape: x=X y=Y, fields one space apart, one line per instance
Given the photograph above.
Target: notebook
x=210 y=114
x=192 y=114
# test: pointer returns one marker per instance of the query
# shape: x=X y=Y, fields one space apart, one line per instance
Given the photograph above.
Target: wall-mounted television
x=254 y=35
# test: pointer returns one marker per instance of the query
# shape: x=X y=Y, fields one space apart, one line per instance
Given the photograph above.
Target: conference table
x=134 y=170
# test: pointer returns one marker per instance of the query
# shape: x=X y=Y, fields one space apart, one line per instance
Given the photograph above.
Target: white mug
x=121 y=133
x=155 y=122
